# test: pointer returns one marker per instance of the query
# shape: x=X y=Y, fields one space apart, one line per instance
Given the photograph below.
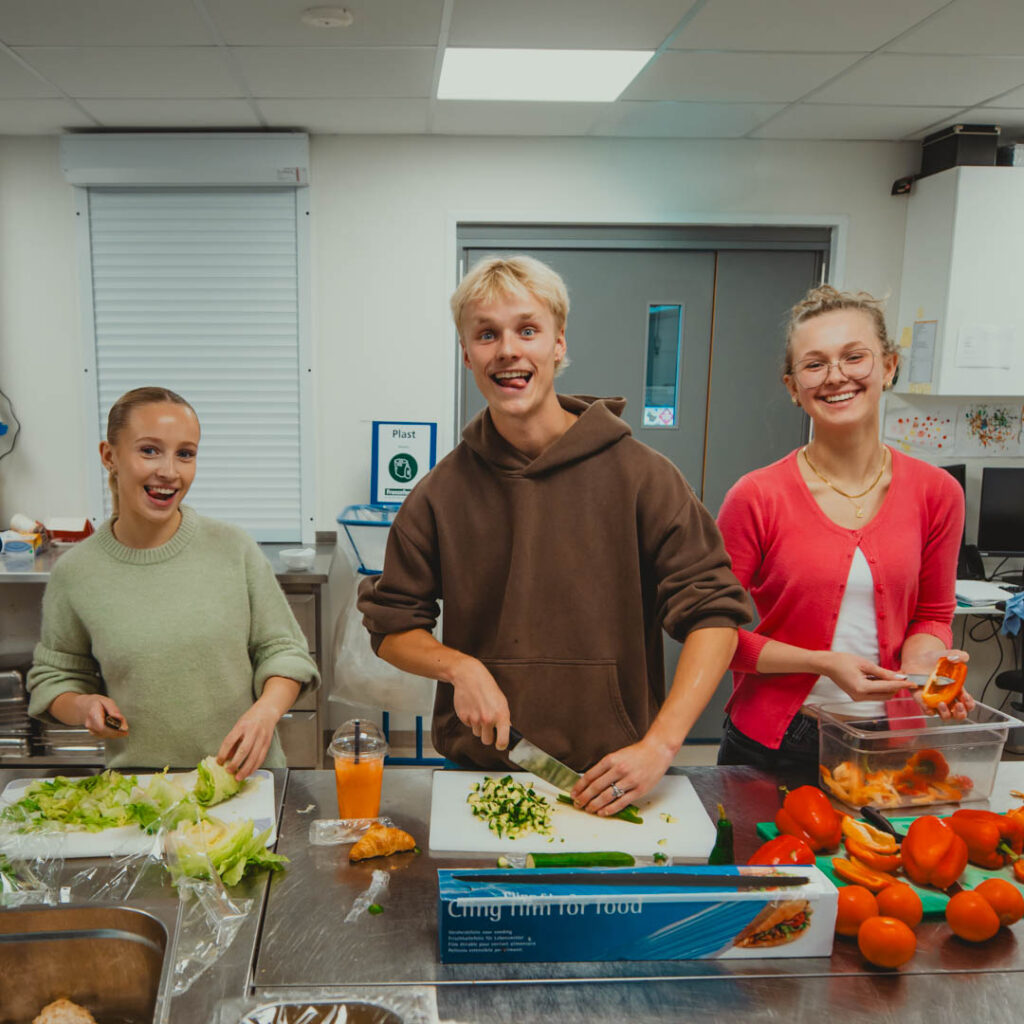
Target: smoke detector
x=327 y=17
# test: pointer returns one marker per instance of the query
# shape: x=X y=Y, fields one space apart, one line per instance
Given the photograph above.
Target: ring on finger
x=616 y=792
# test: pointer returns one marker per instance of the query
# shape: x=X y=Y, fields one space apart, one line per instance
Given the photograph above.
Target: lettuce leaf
x=232 y=850
x=214 y=783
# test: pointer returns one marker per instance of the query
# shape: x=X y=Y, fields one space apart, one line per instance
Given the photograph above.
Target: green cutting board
x=932 y=900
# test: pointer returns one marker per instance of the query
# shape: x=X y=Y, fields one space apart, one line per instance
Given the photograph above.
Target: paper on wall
x=932 y=431
x=984 y=346
x=988 y=428
x=922 y=351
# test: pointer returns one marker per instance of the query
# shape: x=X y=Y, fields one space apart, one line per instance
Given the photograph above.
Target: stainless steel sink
x=347 y=1012
x=107 y=959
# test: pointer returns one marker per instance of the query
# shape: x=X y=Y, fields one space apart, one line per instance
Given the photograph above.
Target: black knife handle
x=876 y=818
x=514 y=736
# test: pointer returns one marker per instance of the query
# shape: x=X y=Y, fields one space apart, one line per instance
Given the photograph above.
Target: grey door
x=732 y=413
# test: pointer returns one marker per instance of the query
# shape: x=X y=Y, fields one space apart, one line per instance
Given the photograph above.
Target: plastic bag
x=413 y=1004
x=364 y=680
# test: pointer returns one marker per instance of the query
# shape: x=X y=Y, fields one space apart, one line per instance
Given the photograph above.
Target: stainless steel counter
x=306 y=944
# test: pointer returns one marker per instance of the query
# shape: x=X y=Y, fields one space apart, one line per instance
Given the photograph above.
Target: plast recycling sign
x=403 y=453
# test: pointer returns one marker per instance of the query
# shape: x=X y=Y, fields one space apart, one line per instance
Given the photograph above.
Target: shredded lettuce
x=232 y=850
x=163 y=803
x=214 y=783
x=94 y=803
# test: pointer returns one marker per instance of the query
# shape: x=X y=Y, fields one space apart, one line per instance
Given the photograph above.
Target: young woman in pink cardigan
x=847 y=547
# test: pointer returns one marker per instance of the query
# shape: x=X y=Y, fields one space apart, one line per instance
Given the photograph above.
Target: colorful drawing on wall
x=984 y=428
x=932 y=431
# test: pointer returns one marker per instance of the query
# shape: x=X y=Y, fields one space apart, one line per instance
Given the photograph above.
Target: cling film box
x=505 y=918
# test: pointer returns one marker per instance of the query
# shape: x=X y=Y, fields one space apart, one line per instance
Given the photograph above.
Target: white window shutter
x=198 y=290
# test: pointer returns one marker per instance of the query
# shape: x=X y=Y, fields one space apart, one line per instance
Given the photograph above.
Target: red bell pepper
x=872 y=858
x=933 y=854
x=993 y=840
x=783 y=850
x=944 y=684
x=860 y=874
x=807 y=814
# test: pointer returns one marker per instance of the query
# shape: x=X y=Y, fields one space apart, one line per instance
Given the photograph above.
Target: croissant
x=380 y=841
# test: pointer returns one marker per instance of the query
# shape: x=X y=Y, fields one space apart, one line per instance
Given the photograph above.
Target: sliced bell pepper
x=783 y=850
x=993 y=840
x=868 y=836
x=860 y=874
x=1018 y=870
x=807 y=814
x=933 y=854
x=944 y=684
x=872 y=858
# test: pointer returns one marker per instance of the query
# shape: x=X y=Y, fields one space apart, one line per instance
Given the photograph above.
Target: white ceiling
x=770 y=69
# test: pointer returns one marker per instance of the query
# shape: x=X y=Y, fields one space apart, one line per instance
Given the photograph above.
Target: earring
x=887 y=385
x=794 y=399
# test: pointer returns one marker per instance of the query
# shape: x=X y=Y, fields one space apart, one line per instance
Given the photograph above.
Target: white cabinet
x=963 y=284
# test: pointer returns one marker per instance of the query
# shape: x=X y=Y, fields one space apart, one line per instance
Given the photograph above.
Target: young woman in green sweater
x=166 y=633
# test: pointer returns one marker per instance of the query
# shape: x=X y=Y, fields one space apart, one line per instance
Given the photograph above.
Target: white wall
x=384 y=210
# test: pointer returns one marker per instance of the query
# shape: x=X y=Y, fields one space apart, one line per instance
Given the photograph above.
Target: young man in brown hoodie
x=561 y=547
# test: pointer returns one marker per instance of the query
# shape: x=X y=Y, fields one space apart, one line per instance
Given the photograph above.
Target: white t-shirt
x=856 y=633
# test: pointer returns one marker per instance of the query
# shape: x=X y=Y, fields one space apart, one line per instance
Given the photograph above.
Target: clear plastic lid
x=357 y=738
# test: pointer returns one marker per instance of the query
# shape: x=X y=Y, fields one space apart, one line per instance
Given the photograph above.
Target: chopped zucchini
x=603 y=859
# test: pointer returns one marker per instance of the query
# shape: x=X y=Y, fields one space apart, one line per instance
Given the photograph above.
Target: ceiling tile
x=825 y=121
x=157 y=113
x=567 y=24
x=375 y=23
x=101 y=23
x=40 y=117
x=905 y=79
x=757 y=77
x=688 y=120
x=822 y=26
x=468 y=117
x=970 y=26
x=16 y=82
x=290 y=72
x=348 y=116
x=156 y=71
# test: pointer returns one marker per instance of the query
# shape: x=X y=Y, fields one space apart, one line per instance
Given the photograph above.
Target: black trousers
x=797 y=754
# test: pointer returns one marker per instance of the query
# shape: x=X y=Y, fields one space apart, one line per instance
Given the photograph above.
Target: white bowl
x=298 y=559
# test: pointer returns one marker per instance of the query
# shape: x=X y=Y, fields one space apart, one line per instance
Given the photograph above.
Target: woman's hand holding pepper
x=922 y=662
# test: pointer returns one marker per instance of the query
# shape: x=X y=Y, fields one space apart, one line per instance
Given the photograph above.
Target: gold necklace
x=858 y=510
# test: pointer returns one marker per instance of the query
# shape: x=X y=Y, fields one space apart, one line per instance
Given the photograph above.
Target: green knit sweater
x=182 y=637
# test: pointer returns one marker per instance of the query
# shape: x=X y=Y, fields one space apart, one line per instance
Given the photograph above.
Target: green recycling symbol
x=403 y=468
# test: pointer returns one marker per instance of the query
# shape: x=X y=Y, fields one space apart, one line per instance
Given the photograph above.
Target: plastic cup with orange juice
x=358 y=749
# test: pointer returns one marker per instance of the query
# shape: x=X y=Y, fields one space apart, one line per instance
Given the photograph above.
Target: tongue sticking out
x=515 y=383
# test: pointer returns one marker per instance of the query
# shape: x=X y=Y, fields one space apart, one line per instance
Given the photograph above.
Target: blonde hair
x=826 y=299
x=502 y=276
x=120 y=411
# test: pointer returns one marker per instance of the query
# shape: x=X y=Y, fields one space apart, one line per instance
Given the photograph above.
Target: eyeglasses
x=855 y=365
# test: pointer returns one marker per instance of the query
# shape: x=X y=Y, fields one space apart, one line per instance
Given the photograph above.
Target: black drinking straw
x=357 y=741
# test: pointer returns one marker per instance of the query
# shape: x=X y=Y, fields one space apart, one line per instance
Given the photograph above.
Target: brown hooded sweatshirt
x=559 y=573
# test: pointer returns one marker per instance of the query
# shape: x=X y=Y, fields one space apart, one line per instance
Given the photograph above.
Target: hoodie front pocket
x=570 y=709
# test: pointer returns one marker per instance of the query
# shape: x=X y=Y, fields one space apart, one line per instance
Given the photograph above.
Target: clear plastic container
x=358 y=749
x=909 y=759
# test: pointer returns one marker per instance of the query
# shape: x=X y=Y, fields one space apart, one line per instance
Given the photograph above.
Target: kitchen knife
x=533 y=759
x=631 y=880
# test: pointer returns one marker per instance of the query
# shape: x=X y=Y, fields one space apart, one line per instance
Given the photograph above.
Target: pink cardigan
x=795 y=562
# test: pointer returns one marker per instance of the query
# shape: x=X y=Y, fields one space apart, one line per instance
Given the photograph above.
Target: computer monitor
x=964 y=569
x=1001 y=515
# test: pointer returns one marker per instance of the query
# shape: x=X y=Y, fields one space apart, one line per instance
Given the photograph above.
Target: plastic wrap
x=364 y=680
x=405 y=1004
x=371 y=897
x=29 y=880
x=338 y=831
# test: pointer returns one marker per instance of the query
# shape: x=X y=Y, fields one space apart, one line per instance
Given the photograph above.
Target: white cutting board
x=690 y=837
x=256 y=801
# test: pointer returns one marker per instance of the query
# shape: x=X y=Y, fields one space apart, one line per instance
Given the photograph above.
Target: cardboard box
x=498 y=920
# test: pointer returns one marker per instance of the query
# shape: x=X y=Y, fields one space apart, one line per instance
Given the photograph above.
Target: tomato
x=856 y=905
x=971 y=916
x=886 y=941
x=902 y=902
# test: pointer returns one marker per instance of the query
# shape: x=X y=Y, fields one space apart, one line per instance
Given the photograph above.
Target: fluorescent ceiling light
x=571 y=76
